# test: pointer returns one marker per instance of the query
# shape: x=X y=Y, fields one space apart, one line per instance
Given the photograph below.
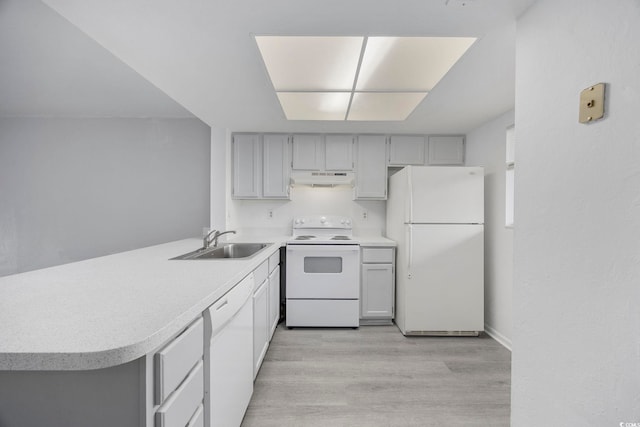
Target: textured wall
x=576 y=340
x=72 y=189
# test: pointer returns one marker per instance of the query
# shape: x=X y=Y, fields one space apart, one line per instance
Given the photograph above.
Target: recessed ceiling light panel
x=311 y=63
x=315 y=77
x=409 y=63
x=383 y=106
x=314 y=105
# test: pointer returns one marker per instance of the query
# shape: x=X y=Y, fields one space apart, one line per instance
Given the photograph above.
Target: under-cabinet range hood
x=322 y=179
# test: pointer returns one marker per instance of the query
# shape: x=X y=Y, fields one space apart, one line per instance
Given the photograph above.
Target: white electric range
x=323 y=273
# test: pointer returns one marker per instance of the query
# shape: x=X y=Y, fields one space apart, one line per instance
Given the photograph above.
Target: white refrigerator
x=436 y=215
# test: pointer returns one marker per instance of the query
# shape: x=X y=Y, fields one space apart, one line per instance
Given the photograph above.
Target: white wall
x=576 y=339
x=72 y=189
x=220 y=146
x=253 y=215
x=485 y=146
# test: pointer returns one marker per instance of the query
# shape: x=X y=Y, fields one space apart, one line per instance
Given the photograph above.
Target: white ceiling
x=50 y=68
x=203 y=54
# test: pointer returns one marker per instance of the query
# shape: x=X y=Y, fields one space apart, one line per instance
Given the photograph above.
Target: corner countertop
x=110 y=310
x=373 y=240
x=113 y=309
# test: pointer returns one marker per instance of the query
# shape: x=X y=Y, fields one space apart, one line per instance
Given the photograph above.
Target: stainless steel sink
x=226 y=251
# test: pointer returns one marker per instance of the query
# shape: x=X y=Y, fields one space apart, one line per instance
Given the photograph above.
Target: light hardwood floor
x=376 y=377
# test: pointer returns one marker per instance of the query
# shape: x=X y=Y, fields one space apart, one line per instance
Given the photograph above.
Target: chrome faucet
x=212 y=238
x=206 y=240
x=218 y=234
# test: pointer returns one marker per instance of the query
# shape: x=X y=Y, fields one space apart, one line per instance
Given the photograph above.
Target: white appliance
x=323 y=273
x=436 y=215
x=228 y=380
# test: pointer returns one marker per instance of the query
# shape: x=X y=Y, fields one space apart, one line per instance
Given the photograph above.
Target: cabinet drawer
x=377 y=255
x=223 y=310
x=274 y=260
x=261 y=273
x=174 y=361
x=179 y=408
x=198 y=418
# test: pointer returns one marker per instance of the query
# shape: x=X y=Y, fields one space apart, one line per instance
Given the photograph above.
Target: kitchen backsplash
x=276 y=215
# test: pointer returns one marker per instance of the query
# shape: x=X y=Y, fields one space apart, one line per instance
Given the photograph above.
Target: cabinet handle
x=225 y=302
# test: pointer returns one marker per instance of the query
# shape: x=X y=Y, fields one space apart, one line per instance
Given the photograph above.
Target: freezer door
x=443 y=195
x=442 y=289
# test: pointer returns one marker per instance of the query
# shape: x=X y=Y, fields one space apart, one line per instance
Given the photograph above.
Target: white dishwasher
x=229 y=356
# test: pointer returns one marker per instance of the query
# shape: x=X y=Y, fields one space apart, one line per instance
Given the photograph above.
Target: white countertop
x=110 y=310
x=374 y=241
x=114 y=309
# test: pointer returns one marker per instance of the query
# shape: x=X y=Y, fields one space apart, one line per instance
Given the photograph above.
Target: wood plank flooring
x=376 y=377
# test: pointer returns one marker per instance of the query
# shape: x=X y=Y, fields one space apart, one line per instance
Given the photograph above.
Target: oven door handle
x=323 y=248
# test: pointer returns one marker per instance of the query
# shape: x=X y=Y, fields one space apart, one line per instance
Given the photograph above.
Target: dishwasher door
x=229 y=356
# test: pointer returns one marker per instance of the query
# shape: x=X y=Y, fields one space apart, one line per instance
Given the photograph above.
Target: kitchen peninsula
x=77 y=341
x=120 y=339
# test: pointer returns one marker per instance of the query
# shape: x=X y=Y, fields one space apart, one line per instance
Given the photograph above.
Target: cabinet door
x=338 y=153
x=275 y=166
x=274 y=300
x=406 y=150
x=260 y=325
x=377 y=291
x=247 y=167
x=446 y=150
x=307 y=152
x=371 y=167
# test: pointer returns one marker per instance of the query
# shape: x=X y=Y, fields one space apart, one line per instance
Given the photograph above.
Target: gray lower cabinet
x=377 y=285
x=274 y=292
x=266 y=307
x=261 y=325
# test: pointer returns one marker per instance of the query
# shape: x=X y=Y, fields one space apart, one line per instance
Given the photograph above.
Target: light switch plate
x=592 y=103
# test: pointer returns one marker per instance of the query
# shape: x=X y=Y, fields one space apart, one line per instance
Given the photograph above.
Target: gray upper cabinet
x=446 y=150
x=371 y=167
x=247 y=166
x=308 y=152
x=338 y=153
x=406 y=150
x=260 y=166
x=322 y=152
x=275 y=166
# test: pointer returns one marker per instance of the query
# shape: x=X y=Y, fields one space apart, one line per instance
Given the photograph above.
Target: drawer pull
x=222 y=304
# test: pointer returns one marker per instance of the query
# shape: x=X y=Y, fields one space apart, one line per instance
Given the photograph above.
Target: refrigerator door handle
x=409 y=213
x=409 y=249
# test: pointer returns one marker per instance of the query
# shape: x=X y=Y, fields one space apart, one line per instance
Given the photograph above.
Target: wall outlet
x=270 y=213
x=364 y=215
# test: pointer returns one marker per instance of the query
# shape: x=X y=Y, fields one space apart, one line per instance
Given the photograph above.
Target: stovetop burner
x=304 y=237
x=340 y=238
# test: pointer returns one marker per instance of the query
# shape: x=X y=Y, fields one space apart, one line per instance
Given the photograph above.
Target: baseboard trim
x=506 y=342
